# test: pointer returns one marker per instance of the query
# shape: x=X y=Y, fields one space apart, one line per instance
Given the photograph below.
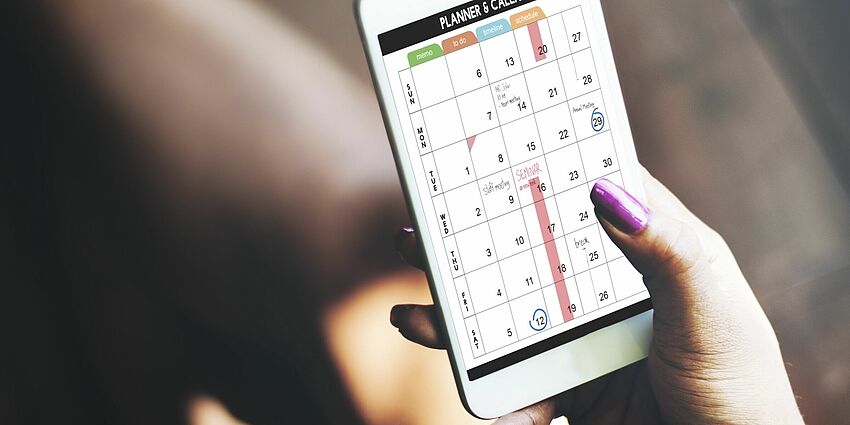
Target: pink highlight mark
x=469 y=142
x=536 y=41
x=551 y=249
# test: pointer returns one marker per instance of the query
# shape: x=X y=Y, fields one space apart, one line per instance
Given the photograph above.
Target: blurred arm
x=232 y=103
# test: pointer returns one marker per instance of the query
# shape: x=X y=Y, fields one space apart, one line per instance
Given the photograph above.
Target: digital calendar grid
x=462 y=153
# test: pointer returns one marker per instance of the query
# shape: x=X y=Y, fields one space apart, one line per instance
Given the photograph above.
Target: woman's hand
x=714 y=356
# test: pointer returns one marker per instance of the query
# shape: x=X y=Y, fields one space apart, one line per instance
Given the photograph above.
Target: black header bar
x=443 y=22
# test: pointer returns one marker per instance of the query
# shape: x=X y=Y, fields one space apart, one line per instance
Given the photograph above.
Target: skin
x=714 y=356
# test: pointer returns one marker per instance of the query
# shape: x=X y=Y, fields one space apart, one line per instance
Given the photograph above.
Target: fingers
x=206 y=410
x=408 y=248
x=537 y=414
x=418 y=323
x=662 y=243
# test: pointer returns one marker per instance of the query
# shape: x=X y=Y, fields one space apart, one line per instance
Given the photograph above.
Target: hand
x=714 y=356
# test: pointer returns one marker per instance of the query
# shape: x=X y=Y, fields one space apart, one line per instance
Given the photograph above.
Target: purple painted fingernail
x=619 y=207
x=401 y=237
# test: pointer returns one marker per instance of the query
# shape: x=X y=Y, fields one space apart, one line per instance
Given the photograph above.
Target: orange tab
x=459 y=42
x=524 y=18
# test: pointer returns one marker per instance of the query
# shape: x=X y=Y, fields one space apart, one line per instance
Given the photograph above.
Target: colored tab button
x=493 y=29
x=459 y=42
x=420 y=56
x=524 y=18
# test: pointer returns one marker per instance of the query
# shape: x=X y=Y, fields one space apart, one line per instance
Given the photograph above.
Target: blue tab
x=493 y=29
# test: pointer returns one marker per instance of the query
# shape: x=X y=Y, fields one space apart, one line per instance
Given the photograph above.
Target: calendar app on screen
x=507 y=127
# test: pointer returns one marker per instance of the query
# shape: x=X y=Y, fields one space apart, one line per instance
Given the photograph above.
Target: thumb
x=710 y=335
x=665 y=248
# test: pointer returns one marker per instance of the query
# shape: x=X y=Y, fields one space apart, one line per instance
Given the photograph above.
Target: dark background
x=118 y=302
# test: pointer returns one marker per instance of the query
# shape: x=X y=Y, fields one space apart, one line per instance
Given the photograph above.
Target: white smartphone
x=502 y=114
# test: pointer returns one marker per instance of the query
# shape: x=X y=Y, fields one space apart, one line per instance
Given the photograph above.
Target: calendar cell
x=589 y=116
x=567 y=169
x=475 y=246
x=550 y=228
x=605 y=294
x=576 y=31
x=477 y=111
x=534 y=43
x=559 y=35
x=585 y=247
x=520 y=275
x=509 y=234
x=576 y=209
x=497 y=328
x=488 y=152
x=550 y=295
x=486 y=287
x=599 y=156
x=467 y=69
x=455 y=166
x=501 y=57
x=532 y=180
x=465 y=207
x=555 y=127
x=511 y=99
x=521 y=140
x=443 y=124
x=545 y=86
x=576 y=306
x=499 y=194
x=433 y=83
x=530 y=314
x=551 y=272
x=579 y=73
x=586 y=291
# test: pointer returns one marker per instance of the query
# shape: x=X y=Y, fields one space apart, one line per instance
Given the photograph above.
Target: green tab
x=418 y=57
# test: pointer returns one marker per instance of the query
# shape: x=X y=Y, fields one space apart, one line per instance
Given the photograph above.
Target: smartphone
x=502 y=114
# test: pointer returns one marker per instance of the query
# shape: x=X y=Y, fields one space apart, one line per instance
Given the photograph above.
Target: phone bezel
x=579 y=361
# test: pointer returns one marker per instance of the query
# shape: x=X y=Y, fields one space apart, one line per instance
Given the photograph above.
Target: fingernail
x=619 y=207
x=396 y=312
x=401 y=236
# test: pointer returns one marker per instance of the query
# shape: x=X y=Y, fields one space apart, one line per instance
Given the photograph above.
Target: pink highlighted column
x=536 y=41
x=551 y=249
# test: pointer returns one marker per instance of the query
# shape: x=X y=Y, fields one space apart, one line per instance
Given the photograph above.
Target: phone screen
x=503 y=107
